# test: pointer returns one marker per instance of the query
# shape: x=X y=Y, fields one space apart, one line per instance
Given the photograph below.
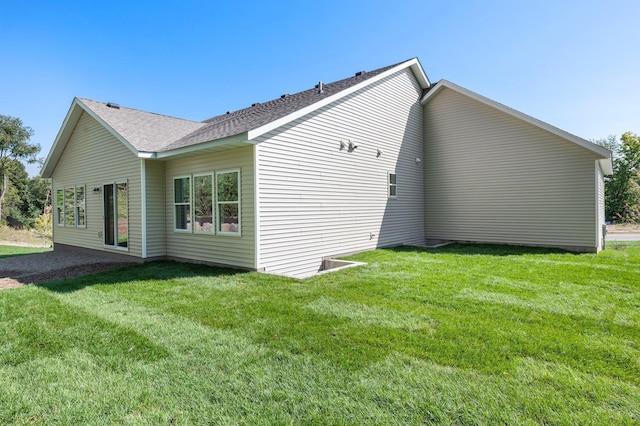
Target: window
x=182 y=203
x=116 y=215
x=393 y=185
x=60 y=207
x=228 y=202
x=80 y=207
x=122 y=213
x=70 y=206
x=203 y=203
x=207 y=203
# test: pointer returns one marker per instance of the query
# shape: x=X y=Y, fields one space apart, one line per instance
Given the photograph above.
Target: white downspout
x=143 y=210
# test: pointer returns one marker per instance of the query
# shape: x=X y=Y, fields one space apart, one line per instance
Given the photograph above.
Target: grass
x=9 y=251
x=463 y=334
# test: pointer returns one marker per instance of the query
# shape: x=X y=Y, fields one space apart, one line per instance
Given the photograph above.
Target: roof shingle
x=146 y=131
x=150 y=132
x=246 y=119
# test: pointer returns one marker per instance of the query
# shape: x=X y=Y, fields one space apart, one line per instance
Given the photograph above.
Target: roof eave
x=241 y=137
x=605 y=161
x=419 y=73
x=146 y=155
x=108 y=127
x=68 y=125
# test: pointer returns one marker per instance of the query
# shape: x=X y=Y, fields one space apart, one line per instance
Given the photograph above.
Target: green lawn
x=9 y=251
x=464 y=334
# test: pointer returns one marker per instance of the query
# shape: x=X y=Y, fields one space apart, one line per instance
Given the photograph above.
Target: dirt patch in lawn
x=623 y=228
x=39 y=268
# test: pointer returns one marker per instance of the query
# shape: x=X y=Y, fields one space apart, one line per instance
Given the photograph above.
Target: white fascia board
x=419 y=73
x=521 y=116
x=413 y=63
x=242 y=137
x=146 y=154
x=69 y=123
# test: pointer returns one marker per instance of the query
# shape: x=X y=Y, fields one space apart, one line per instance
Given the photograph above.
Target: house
x=379 y=159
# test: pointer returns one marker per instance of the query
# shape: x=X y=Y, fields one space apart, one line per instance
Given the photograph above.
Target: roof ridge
x=262 y=113
x=363 y=74
x=138 y=110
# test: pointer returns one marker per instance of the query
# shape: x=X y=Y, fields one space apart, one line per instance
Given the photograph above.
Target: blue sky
x=573 y=64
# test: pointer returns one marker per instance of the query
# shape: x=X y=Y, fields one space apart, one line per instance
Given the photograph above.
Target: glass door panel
x=109 y=209
x=123 y=214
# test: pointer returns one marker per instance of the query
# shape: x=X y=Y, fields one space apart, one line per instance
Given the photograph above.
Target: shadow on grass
x=160 y=270
x=482 y=249
x=167 y=270
x=489 y=336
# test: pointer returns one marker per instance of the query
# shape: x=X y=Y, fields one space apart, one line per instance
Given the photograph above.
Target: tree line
x=622 y=188
x=23 y=200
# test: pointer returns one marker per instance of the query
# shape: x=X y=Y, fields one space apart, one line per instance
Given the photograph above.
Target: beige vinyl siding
x=490 y=177
x=317 y=200
x=93 y=157
x=219 y=249
x=155 y=181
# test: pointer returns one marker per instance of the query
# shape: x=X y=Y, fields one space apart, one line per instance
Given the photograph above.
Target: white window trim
x=239 y=203
x=60 y=220
x=174 y=204
x=193 y=206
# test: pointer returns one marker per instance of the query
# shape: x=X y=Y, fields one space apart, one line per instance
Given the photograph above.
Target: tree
x=622 y=188
x=15 y=192
x=43 y=223
x=14 y=147
x=36 y=198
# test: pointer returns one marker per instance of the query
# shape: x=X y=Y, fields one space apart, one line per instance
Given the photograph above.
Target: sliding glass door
x=116 y=214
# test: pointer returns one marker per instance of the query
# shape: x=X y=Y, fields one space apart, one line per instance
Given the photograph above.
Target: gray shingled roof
x=150 y=132
x=146 y=131
x=234 y=123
